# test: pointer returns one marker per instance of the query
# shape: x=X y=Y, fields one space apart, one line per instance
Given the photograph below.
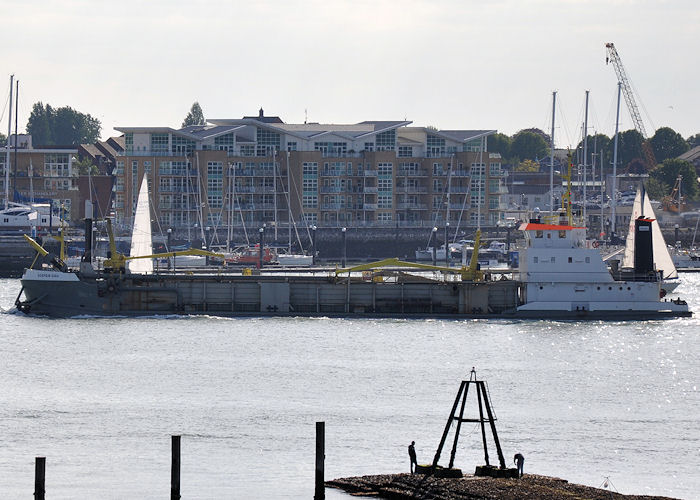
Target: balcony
x=333 y=206
x=461 y=173
x=333 y=173
x=411 y=189
x=332 y=189
x=367 y=206
x=412 y=172
x=411 y=206
x=370 y=189
x=369 y=173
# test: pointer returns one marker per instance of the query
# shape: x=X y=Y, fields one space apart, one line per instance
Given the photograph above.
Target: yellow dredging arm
x=55 y=261
x=118 y=260
x=471 y=273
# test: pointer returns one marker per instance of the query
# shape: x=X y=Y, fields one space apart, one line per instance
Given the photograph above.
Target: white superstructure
x=563 y=274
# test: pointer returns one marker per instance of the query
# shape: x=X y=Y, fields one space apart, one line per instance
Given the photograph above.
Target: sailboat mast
x=14 y=175
x=585 y=160
x=7 y=155
x=289 y=208
x=551 y=158
x=614 y=180
x=274 y=187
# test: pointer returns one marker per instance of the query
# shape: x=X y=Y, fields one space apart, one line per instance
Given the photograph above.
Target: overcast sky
x=461 y=64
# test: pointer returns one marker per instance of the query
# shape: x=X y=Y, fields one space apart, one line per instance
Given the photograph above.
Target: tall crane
x=614 y=58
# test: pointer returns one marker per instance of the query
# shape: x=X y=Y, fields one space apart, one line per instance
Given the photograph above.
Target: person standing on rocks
x=412 y=455
x=519 y=461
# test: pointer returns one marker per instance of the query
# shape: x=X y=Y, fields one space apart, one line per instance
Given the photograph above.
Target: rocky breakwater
x=421 y=487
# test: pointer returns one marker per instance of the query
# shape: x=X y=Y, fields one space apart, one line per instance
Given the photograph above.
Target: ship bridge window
x=570 y=260
x=534 y=260
x=549 y=235
x=552 y=260
x=562 y=234
x=588 y=260
x=539 y=234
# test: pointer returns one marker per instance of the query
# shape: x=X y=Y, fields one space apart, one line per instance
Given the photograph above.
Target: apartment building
x=40 y=175
x=259 y=170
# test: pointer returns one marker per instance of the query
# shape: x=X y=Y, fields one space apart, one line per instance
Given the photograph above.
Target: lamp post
x=261 y=232
x=433 y=238
x=345 y=245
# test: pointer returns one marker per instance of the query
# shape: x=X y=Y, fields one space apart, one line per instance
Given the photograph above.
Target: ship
x=561 y=276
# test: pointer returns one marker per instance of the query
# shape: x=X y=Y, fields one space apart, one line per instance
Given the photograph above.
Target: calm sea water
x=100 y=398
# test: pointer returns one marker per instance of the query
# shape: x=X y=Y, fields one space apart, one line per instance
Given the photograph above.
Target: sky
x=462 y=64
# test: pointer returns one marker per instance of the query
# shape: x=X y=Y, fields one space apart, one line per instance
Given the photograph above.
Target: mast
x=551 y=157
x=614 y=181
x=585 y=160
x=7 y=153
x=274 y=186
x=289 y=208
x=14 y=180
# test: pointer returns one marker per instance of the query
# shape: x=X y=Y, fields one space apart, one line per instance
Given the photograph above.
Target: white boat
x=290 y=259
x=661 y=256
x=427 y=253
x=562 y=275
x=27 y=218
x=686 y=259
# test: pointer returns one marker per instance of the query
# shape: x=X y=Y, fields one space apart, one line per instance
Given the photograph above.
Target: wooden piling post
x=175 y=469
x=40 y=478
x=320 y=490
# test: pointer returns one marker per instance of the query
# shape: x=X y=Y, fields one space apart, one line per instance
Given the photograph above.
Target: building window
x=386 y=141
x=159 y=143
x=405 y=151
x=267 y=140
x=291 y=145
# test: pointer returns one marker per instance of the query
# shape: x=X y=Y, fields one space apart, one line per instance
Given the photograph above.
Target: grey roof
x=691 y=155
x=465 y=135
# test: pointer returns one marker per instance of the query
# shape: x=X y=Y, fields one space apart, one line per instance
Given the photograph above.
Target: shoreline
x=470 y=487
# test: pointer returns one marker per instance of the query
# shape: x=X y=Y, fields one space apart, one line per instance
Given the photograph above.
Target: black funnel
x=643 y=249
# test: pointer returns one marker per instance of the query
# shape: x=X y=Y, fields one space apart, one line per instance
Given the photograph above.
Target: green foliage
x=668 y=171
x=85 y=167
x=629 y=147
x=3 y=140
x=547 y=138
x=667 y=143
x=693 y=140
x=62 y=126
x=528 y=145
x=195 y=116
x=596 y=144
x=656 y=189
x=499 y=143
x=528 y=166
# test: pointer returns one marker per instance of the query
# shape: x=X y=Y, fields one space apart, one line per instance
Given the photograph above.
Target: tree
x=528 y=166
x=656 y=188
x=528 y=145
x=86 y=166
x=39 y=124
x=629 y=147
x=3 y=140
x=596 y=144
x=670 y=169
x=668 y=143
x=64 y=126
x=547 y=138
x=693 y=140
x=499 y=143
x=195 y=116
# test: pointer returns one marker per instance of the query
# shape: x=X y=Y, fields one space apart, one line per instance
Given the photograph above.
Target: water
x=101 y=397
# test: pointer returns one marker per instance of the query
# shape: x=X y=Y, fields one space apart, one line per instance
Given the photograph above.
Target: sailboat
x=662 y=258
x=141 y=241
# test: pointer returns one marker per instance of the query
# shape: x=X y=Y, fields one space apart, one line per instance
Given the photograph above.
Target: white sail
x=141 y=243
x=662 y=257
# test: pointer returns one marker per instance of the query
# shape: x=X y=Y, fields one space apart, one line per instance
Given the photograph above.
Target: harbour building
x=259 y=170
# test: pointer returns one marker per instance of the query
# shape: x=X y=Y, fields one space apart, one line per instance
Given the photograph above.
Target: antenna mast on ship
x=585 y=160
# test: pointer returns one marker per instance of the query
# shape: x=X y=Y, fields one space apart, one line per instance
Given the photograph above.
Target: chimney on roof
x=260 y=113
